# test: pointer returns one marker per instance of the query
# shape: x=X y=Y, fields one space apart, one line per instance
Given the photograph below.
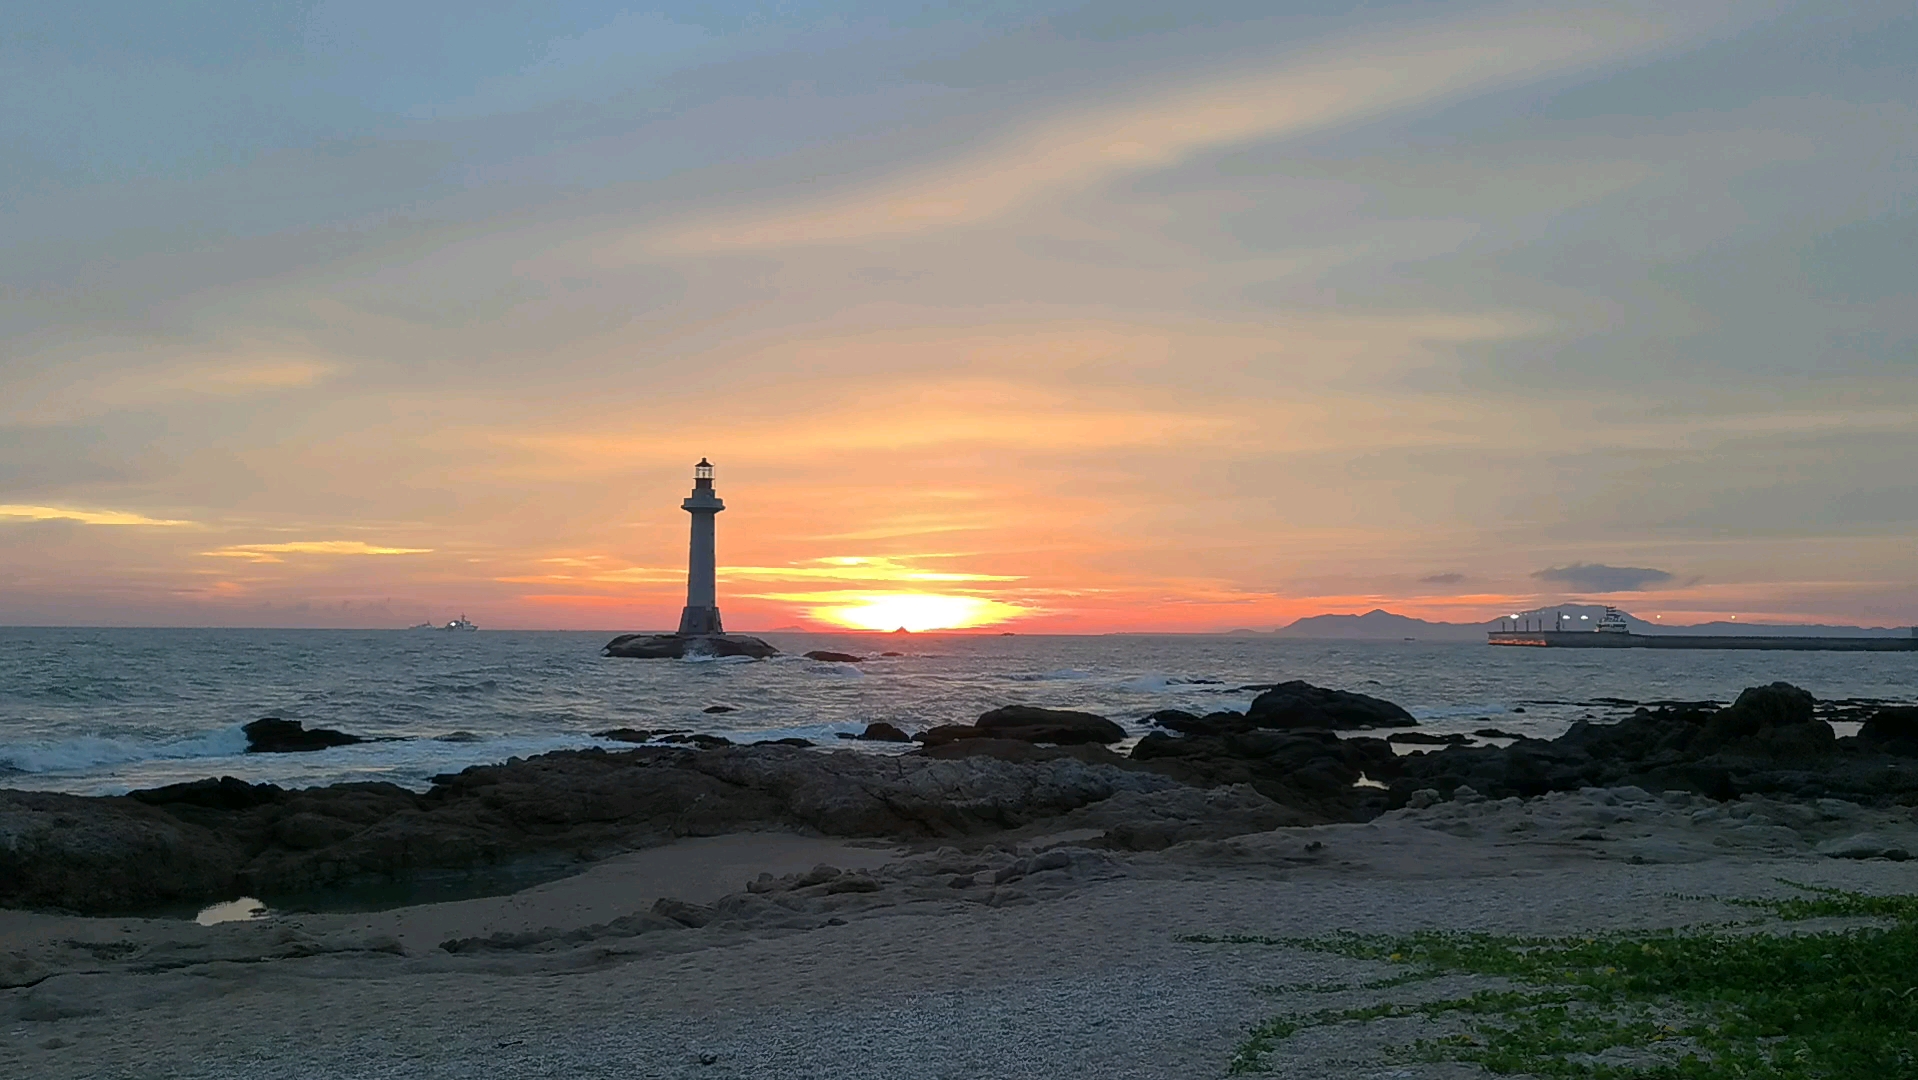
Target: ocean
x=103 y=711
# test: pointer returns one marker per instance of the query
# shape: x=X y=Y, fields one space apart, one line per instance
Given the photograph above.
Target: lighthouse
x=700 y=632
x=701 y=616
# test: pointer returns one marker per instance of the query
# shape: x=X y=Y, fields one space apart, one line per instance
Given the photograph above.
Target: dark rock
x=625 y=734
x=697 y=738
x=1893 y=728
x=1224 y=722
x=880 y=731
x=225 y=793
x=1424 y=738
x=677 y=646
x=892 y=654
x=945 y=733
x=1061 y=726
x=272 y=735
x=1312 y=771
x=215 y=840
x=1769 y=721
x=829 y=657
x=684 y=913
x=1016 y=750
x=718 y=709
x=1770 y=742
x=1495 y=733
x=790 y=740
x=1301 y=705
x=458 y=737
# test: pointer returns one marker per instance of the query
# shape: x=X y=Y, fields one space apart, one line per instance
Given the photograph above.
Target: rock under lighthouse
x=700 y=629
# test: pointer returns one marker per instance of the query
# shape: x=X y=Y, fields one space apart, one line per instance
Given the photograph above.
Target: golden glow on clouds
x=84 y=517
x=851 y=568
x=270 y=553
x=914 y=611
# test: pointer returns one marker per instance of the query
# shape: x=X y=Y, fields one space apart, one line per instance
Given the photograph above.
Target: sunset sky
x=1057 y=316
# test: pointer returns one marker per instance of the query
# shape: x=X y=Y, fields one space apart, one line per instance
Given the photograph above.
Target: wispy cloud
x=1599 y=578
x=85 y=517
x=1332 y=84
x=270 y=553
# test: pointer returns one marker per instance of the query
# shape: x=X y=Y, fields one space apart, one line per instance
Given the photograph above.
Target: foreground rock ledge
x=214 y=839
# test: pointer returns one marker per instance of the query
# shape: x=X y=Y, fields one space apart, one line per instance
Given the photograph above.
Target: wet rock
x=1015 y=750
x=1223 y=722
x=1893 y=729
x=947 y=733
x=1060 y=726
x=1299 y=704
x=790 y=740
x=827 y=656
x=716 y=709
x=625 y=734
x=1422 y=738
x=699 y=739
x=677 y=646
x=272 y=735
x=880 y=731
x=459 y=737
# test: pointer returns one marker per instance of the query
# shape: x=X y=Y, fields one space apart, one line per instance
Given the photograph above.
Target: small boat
x=460 y=623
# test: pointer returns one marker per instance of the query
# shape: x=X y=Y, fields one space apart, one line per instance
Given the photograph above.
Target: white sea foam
x=93 y=752
x=1156 y=683
x=1061 y=675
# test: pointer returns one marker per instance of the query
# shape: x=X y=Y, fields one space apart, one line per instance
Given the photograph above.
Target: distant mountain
x=1381 y=625
x=1776 y=629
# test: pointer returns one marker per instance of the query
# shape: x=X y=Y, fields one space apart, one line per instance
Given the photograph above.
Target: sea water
x=98 y=711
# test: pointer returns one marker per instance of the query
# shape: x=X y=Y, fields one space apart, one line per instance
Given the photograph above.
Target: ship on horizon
x=1612 y=631
x=459 y=624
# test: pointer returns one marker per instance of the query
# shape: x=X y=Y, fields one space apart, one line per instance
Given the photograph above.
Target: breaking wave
x=97 y=751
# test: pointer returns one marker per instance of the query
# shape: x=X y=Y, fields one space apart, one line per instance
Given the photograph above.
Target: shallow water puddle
x=240 y=910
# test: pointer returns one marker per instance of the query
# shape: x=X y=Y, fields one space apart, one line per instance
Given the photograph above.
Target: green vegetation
x=1697 y=1004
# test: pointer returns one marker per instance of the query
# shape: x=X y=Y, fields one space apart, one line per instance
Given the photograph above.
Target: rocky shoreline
x=1290 y=760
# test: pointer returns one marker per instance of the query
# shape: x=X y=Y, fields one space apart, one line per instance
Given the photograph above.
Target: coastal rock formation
x=1299 y=704
x=1026 y=723
x=880 y=731
x=272 y=735
x=219 y=838
x=1314 y=771
x=1292 y=706
x=1767 y=742
x=829 y=657
x=679 y=646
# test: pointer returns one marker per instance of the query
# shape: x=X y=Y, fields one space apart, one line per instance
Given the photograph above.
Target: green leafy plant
x=1698 y=1004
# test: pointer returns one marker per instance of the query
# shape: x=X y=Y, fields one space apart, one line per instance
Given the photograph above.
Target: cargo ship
x=1613 y=632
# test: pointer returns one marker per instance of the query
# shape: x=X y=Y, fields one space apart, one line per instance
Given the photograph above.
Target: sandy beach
x=1036 y=956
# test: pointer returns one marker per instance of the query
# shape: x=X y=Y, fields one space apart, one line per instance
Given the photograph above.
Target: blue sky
x=1380 y=294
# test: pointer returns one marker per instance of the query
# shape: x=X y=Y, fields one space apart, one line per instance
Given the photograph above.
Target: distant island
x=1381 y=625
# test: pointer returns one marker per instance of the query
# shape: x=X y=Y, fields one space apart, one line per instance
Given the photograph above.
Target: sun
x=918 y=611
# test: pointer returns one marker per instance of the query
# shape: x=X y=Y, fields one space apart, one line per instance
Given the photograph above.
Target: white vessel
x=460 y=623
x=1612 y=622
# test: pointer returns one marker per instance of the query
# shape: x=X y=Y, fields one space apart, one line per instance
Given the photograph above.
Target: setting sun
x=918 y=611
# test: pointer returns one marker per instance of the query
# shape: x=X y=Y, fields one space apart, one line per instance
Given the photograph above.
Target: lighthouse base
x=700 y=621
x=676 y=646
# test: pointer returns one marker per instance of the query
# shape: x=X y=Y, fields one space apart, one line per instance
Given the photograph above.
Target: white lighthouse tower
x=701 y=616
